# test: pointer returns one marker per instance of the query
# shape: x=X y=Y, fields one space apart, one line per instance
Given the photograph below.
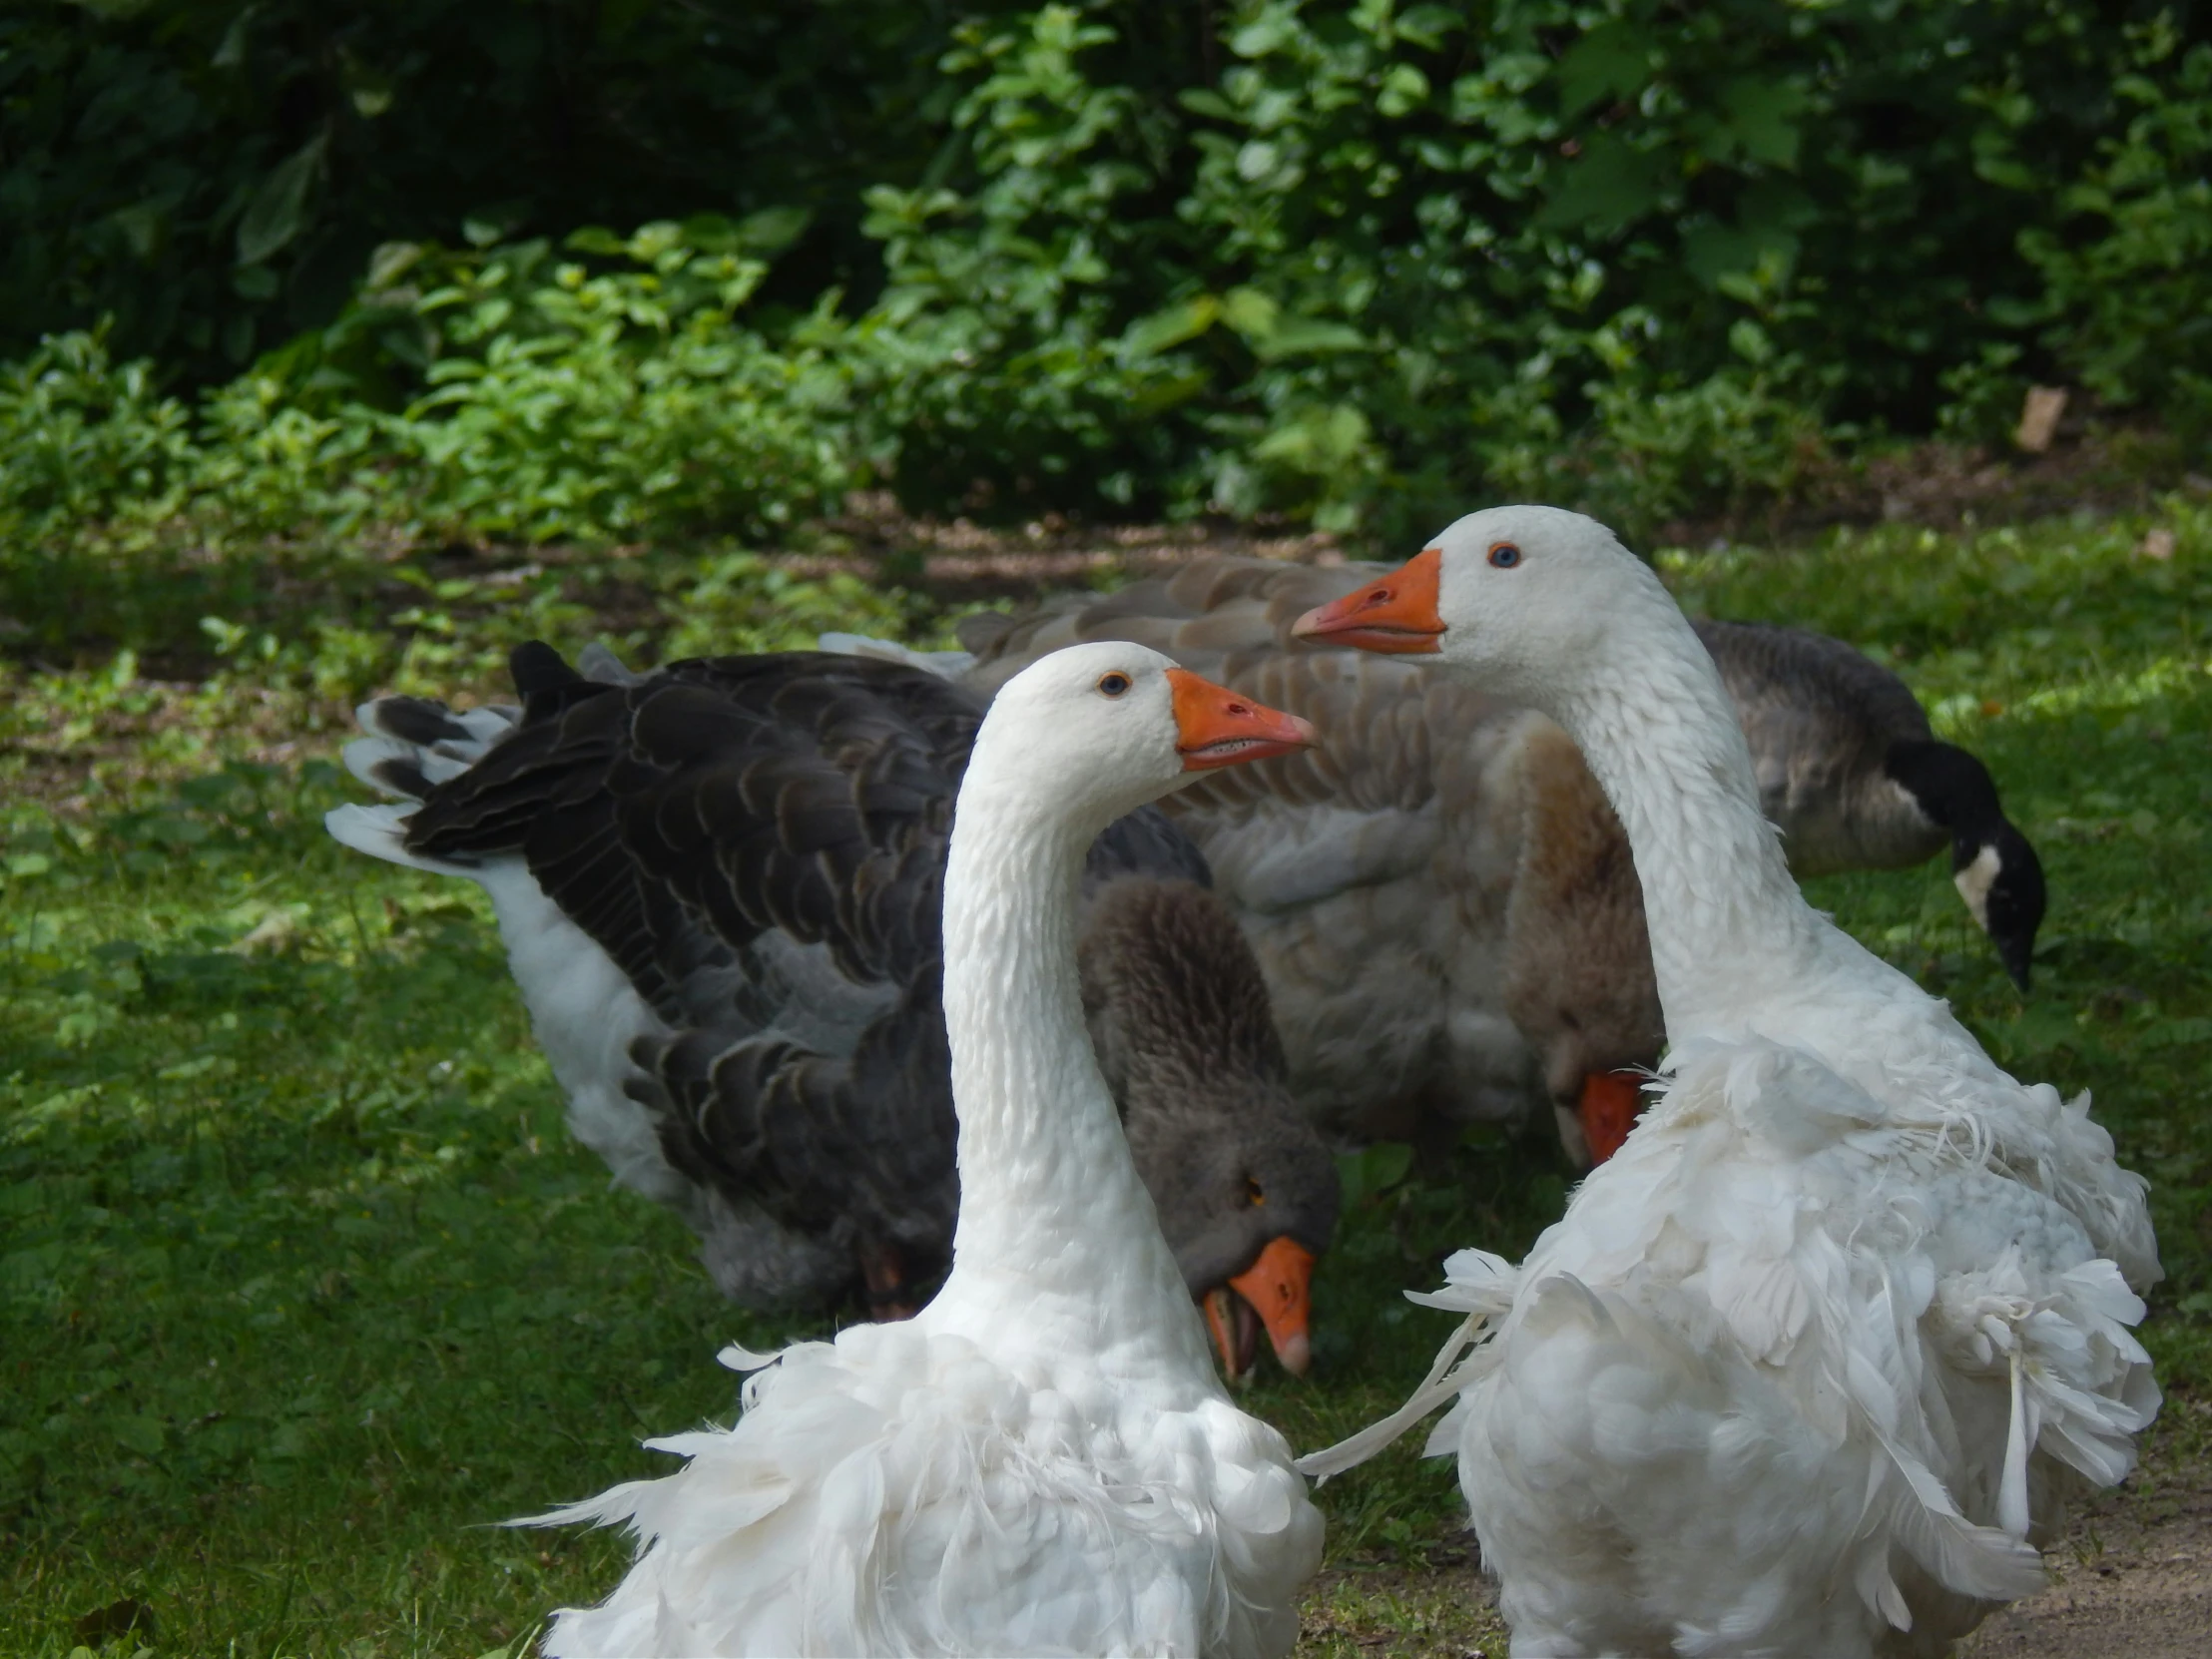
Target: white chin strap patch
x=1974 y=882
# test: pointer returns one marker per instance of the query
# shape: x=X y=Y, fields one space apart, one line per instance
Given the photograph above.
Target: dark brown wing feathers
x=680 y=819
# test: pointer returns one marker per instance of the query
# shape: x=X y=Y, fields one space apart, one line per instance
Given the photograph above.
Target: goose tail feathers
x=412 y=745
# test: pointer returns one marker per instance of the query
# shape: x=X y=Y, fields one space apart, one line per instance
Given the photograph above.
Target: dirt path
x=2134 y=1581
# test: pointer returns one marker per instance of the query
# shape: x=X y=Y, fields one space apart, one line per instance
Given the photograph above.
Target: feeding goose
x=719 y=889
x=1850 y=768
x=1439 y=892
x=1043 y=1460
x=1812 y=1364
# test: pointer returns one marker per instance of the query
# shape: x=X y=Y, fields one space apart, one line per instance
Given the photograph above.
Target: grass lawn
x=303 y=1288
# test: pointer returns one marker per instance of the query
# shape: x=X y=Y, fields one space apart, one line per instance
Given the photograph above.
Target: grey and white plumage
x=1441 y=898
x=720 y=887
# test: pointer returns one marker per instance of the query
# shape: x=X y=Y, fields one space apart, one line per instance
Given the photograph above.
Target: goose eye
x=1504 y=555
x=1113 y=685
x=1253 y=1194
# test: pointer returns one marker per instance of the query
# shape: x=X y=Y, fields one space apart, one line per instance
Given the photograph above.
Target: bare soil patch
x=2133 y=1579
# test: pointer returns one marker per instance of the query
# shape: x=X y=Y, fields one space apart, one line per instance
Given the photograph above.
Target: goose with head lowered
x=1849 y=766
x=1809 y=1365
x=1042 y=1460
x=719 y=887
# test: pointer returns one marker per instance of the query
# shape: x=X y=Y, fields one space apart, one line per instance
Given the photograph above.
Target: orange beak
x=1279 y=1285
x=1216 y=727
x=1611 y=1103
x=1395 y=615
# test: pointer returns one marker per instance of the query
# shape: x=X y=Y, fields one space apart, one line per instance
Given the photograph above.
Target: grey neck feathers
x=1660 y=735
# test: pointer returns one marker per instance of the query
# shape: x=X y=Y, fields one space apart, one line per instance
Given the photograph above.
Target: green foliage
x=560 y=403
x=81 y=435
x=215 y=174
x=1349 y=263
x=1345 y=261
x=465 y=398
x=2131 y=296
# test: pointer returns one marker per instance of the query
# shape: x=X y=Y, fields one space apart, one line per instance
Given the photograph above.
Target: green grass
x=303 y=1285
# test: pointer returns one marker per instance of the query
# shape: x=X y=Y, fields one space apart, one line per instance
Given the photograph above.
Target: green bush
x=1350 y=262
x=214 y=173
x=1392 y=256
x=2131 y=296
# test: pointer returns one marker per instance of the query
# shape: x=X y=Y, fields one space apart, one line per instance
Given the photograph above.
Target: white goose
x=1808 y=1366
x=1042 y=1460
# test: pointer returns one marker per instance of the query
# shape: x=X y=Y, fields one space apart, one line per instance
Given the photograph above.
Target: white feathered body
x=1808 y=1366
x=910 y=1489
x=1818 y=1355
x=1043 y=1459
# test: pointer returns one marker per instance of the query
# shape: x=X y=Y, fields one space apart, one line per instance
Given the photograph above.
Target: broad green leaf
x=1292 y=336
x=277 y=210
x=1611 y=61
x=1168 y=326
x=1609 y=185
x=1758 y=120
x=773 y=230
x=1373 y=1168
x=1206 y=102
x=1251 y=313
x=1426 y=26
x=1404 y=89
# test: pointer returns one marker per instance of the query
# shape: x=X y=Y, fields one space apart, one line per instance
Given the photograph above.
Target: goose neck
x=1050 y=1198
x=1656 y=726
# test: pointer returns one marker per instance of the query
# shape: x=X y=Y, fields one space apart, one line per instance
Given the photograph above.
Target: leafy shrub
x=539 y=399
x=564 y=403
x=214 y=173
x=1344 y=261
x=2132 y=299
x=81 y=434
x=1388 y=255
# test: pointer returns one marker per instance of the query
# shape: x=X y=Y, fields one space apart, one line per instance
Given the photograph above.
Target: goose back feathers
x=744 y=858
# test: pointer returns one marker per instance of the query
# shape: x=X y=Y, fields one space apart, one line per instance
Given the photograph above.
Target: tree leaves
x=277 y=210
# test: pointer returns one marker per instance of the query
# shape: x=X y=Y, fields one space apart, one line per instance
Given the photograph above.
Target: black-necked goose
x=1850 y=768
x=719 y=887
x=1809 y=1367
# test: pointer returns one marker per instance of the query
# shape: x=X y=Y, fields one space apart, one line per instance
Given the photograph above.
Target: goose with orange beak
x=1398 y=615
x=1814 y=1363
x=1261 y=1278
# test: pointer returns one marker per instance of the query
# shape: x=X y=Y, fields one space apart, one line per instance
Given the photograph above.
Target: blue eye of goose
x=1504 y=555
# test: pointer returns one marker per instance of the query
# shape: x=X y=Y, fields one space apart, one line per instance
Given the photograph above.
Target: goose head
x=1993 y=865
x=1118 y=724
x=1518 y=599
x=1247 y=1189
